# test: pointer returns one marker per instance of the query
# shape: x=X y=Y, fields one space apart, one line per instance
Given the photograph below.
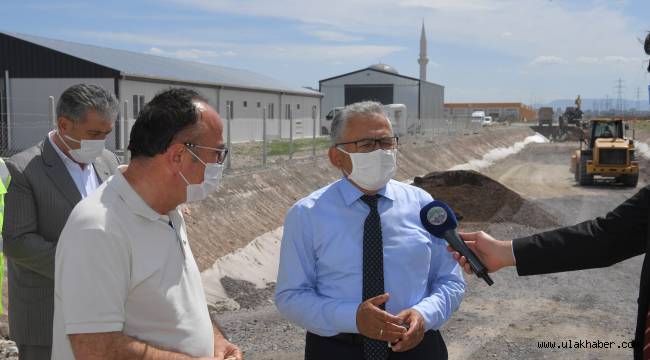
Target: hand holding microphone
x=439 y=220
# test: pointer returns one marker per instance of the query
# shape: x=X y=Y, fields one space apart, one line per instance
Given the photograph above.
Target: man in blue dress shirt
x=357 y=269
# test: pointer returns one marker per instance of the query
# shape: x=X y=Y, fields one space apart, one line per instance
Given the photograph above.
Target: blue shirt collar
x=351 y=193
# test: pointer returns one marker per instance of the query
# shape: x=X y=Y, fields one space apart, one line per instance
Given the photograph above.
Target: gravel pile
x=477 y=198
x=246 y=294
x=8 y=350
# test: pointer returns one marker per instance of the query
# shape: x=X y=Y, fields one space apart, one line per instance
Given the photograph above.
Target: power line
x=620 y=107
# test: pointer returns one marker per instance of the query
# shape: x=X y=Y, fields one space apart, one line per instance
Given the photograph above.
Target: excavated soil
x=477 y=198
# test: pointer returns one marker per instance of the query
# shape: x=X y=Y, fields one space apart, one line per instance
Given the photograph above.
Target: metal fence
x=254 y=142
x=278 y=150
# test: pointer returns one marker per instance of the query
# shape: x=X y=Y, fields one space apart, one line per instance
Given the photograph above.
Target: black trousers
x=317 y=347
x=34 y=352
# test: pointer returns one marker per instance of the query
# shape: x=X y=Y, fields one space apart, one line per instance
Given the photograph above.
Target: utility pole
x=638 y=102
x=620 y=107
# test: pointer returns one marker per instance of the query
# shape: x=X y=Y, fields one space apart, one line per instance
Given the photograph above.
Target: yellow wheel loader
x=605 y=153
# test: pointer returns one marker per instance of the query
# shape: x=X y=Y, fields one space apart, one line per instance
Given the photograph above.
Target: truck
x=487 y=121
x=569 y=127
x=545 y=116
x=396 y=113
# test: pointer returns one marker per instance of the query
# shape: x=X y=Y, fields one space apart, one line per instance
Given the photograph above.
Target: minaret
x=423 y=60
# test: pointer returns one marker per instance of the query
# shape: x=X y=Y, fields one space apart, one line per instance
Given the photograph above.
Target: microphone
x=439 y=220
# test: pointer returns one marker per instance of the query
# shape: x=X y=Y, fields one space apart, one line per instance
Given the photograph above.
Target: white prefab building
x=424 y=100
x=36 y=70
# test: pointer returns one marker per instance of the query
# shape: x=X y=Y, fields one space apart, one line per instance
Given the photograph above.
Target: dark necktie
x=373 y=272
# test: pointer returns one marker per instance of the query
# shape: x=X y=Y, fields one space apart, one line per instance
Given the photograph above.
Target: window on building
x=259 y=104
x=138 y=105
x=245 y=103
x=230 y=109
x=270 y=111
x=287 y=111
x=297 y=106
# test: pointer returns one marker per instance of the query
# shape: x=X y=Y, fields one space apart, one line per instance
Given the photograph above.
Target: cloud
x=609 y=60
x=546 y=26
x=326 y=53
x=588 y=60
x=547 y=60
x=326 y=35
x=338 y=54
x=621 y=60
x=143 y=38
x=453 y=5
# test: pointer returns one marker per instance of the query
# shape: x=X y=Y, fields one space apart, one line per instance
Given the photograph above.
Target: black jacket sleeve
x=621 y=234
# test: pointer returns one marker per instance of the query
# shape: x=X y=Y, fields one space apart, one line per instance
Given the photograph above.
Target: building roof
x=377 y=69
x=148 y=66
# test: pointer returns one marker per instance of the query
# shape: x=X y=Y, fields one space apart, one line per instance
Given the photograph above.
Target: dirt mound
x=477 y=198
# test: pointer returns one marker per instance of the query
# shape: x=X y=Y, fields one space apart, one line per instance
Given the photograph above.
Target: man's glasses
x=368 y=145
x=219 y=153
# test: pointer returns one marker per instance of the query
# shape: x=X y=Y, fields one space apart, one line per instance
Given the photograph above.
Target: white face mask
x=211 y=181
x=87 y=152
x=373 y=170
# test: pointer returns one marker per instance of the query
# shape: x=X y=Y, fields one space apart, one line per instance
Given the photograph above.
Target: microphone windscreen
x=438 y=218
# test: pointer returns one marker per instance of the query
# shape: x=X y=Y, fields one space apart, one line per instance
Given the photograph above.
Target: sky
x=531 y=51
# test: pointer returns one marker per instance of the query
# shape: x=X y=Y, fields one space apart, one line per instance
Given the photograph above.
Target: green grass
x=280 y=147
x=642 y=125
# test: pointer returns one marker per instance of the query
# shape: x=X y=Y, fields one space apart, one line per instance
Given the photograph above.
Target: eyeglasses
x=219 y=153
x=368 y=145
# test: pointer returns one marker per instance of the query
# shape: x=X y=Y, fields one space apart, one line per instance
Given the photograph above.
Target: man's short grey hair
x=360 y=109
x=77 y=99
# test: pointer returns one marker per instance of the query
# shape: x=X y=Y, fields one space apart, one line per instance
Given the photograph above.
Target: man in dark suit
x=48 y=180
x=621 y=234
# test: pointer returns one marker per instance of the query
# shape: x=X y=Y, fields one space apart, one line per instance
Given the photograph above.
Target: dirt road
x=509 y=319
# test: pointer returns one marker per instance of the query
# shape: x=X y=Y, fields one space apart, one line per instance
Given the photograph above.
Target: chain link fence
x=254 y=142
x=280 y=150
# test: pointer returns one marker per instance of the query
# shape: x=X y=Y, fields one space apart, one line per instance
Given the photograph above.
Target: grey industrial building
x=35 y=68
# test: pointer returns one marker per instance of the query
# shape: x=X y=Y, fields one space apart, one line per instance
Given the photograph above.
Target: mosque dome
x=384 y=67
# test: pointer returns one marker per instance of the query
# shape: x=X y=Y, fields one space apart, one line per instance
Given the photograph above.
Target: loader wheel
x=630 y=180
x=584 y=178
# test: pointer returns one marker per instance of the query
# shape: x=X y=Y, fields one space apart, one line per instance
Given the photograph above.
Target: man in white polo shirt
x=126 y=282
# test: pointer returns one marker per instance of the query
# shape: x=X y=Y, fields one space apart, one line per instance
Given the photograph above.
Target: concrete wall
x=30 y=108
